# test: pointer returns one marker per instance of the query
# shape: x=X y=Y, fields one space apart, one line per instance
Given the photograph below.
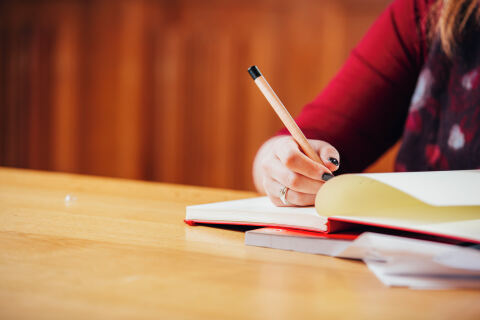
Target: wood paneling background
x=158 y=90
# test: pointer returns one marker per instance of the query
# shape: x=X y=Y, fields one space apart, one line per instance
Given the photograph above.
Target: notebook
x=330 y=244
x=437 y=203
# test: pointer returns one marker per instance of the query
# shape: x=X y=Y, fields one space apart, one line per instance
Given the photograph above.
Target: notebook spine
x=336 y=226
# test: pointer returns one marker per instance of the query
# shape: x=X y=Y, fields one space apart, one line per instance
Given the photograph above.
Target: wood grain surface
x=159 y=89
x=119 y=249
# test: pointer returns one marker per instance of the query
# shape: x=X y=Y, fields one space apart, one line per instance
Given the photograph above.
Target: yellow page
x=360 y=195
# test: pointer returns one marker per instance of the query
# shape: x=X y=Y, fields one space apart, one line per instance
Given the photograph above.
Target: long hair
x=449 y=21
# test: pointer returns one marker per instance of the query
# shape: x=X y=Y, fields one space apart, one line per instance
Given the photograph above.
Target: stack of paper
x=418 y=264
x=440 y=205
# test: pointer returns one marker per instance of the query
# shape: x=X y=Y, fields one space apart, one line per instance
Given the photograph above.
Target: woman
x=415 y=76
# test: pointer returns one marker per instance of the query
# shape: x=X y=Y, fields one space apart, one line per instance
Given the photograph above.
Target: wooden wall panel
x=66 y=85
x=158 y=90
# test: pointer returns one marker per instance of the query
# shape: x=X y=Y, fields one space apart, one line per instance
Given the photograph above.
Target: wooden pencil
x=283 y=114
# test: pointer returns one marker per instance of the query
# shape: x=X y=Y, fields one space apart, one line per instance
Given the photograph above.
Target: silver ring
x=283 y=196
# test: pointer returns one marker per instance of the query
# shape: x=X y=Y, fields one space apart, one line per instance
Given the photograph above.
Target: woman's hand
x=279 y=163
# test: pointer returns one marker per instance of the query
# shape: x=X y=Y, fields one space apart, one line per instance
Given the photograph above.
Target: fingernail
x=327 y=176
x=333 y=160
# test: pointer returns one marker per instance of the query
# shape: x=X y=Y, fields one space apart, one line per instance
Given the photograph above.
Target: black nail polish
x=327 y=176
x=333 y=160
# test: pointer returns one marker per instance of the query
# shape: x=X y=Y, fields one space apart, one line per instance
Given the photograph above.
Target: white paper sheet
x=418 y=264
x=437 y=188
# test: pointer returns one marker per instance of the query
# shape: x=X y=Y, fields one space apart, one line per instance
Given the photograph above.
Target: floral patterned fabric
x=442 y=130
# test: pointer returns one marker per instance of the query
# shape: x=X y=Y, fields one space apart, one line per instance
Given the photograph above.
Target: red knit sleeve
x=363 y=109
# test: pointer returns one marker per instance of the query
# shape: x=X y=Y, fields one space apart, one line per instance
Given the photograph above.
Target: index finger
x=290 y=155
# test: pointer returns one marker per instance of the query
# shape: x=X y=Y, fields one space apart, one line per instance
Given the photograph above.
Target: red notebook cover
x=337 y=225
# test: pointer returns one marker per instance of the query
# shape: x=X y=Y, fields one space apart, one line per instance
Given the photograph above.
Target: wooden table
x=98 y=248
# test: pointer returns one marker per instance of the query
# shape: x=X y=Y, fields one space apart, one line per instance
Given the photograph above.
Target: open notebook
x=438 y=203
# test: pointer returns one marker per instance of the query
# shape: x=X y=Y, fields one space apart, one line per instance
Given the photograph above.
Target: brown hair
x=449 y=20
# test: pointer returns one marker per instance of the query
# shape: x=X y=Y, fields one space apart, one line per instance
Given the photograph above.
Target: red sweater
x=363 y=110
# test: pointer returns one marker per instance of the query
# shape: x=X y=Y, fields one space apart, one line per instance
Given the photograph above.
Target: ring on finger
x=283 y=196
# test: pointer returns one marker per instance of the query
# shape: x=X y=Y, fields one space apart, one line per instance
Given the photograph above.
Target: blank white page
x=436 y=188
